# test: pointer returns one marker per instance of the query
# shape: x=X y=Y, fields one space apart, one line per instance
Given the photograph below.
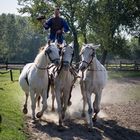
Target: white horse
x=93 y=80
x=34 y=78
x=64 y=80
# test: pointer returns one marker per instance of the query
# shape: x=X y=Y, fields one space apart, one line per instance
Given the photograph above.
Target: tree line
x=19 y=40
x=98 y=21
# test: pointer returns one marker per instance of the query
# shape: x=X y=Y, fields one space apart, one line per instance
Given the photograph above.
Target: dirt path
x=119 y=118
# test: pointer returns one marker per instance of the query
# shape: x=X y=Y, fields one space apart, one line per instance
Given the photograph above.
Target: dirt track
x=119 y=118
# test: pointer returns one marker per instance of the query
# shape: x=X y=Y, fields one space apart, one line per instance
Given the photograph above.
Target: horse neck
x=63 y=73
x=41 y=60
x=94 y=64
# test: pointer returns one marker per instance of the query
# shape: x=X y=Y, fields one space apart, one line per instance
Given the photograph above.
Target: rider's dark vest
x=57 y=24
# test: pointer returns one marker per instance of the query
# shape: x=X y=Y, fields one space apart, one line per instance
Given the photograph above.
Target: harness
x=92 y=56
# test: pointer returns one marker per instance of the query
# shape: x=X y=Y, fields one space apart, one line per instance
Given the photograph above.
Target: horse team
x=56 y=71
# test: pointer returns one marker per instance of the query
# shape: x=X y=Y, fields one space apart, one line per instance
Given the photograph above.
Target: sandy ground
x=119 y=118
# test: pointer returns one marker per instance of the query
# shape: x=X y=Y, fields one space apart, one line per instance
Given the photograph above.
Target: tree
x=19 y=41
x=99 y=21
x=109 y=17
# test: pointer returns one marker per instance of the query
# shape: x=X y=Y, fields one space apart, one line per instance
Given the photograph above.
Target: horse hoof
x=39 y=114
x=83 y=115
x=94 y=119
x=60 y=128
x=69 y=103
x=25 y=111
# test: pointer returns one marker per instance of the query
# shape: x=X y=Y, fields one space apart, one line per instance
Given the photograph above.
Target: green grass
x=122 y=74
x=12 y=125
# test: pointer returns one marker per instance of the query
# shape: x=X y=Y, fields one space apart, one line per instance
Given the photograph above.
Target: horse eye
x=48 y=51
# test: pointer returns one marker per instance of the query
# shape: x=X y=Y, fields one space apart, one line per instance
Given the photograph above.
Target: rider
x=57 y=25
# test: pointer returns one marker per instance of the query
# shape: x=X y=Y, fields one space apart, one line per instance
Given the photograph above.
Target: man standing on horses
x=57 y=25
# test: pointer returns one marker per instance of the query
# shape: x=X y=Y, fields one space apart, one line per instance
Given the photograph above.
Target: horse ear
x=71 y=44
x=64 y=43
x=96 y=46
x=49 y=42
x=83 y=44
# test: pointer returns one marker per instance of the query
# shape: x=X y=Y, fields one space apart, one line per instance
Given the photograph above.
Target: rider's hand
x=41 y=19
x=59 y=32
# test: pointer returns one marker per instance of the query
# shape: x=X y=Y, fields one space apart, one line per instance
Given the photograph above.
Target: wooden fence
x=16 y=66
x=9 y=67
x=121 y=66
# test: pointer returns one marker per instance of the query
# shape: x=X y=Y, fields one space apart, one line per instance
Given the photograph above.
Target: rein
x=88 y=64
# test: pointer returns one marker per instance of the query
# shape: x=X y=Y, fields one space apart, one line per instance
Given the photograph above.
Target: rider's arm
x=65 y=26
x=47 y=24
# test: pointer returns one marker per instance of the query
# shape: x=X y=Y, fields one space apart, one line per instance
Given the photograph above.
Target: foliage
x=134 y=49
x=19 y=41
x=102 y=21
x=110 y=19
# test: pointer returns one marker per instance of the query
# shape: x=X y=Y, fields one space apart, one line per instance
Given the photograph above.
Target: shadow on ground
x=105 y=129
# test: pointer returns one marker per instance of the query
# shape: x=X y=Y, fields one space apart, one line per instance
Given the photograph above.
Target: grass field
x=122 y=74
x=12 y=123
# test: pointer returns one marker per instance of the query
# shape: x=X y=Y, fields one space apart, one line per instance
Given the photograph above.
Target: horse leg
x=84 y=98
x=33 y=103
x=69 y=102
x=59 y=106
x=25 y=110
x=84 y=105
x=66 y=95
x=44 y=102
x=90 y=110
x=96 y=104
x=38 y=100
x=53 y=97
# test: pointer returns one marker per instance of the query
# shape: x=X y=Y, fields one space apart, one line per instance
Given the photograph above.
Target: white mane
x=40 y=55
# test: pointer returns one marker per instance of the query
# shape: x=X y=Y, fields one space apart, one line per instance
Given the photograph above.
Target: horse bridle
x=62 y=62
x=92 y=56
x=48 y=51
x=66 y=62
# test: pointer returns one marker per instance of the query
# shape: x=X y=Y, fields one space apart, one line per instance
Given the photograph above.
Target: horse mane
x=41 y=49
x=89 y=45
x=40 y=54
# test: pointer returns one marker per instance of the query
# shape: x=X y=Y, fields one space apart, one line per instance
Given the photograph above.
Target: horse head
x=87 y=54
x=67 y=55
x=53 y=53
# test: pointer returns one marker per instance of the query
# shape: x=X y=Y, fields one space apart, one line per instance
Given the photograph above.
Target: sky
x=9 y=6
